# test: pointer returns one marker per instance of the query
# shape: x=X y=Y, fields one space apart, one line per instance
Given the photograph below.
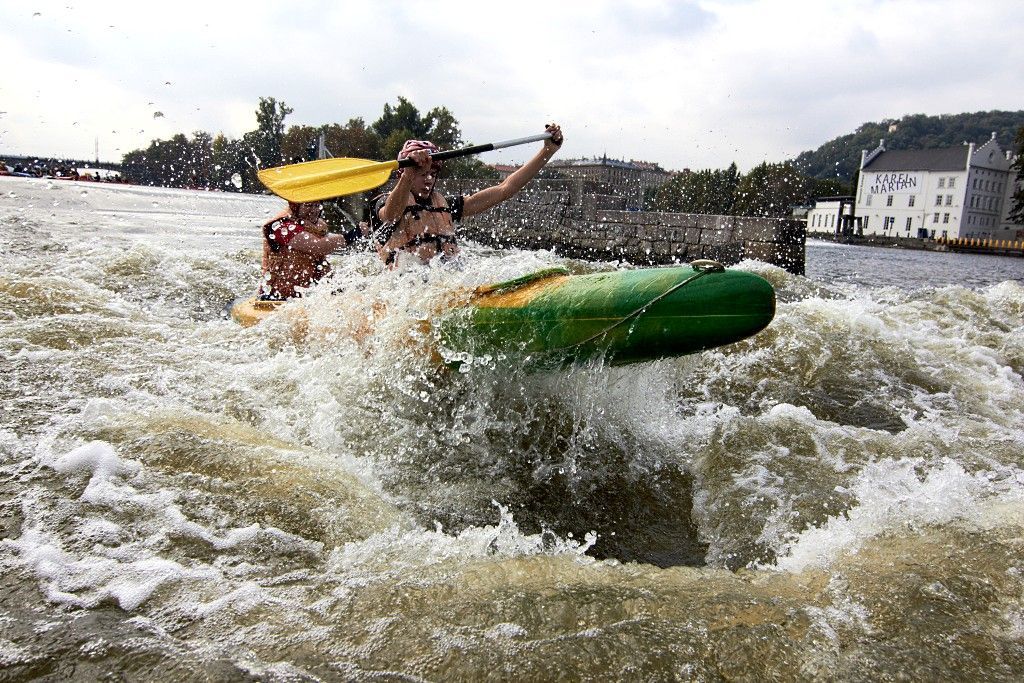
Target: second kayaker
x=413 y=219
x=295 y=249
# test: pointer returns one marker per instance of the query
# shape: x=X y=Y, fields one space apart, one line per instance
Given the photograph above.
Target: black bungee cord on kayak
x=702 y=266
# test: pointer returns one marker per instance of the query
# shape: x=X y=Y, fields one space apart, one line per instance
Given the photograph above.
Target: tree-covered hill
x=840 y=158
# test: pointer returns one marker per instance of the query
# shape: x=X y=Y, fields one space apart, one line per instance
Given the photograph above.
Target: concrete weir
x=564 y=216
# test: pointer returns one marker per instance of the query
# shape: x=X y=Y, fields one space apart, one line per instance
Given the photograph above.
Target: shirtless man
x=414 y=219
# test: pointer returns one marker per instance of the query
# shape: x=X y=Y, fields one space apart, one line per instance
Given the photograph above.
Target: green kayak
x=626 y=316
x=552 y=318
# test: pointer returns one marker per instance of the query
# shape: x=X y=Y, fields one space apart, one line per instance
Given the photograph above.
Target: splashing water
x=318 y=497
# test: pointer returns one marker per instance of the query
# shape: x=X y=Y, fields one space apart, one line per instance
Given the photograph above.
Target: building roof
x=605 y=161
x=943 y=159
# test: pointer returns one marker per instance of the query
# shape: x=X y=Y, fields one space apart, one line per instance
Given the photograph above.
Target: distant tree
x=704 y=192
x=266 y=139
x=443 y=128
x=771 y=190
x=354 y=139
x=404 y=117
x=392 y=144
x=200 y=163
x=404 y=122
x=228 y=163
x=177 y=162
x=299 y=144
x=827 y=187
x=1017 y=212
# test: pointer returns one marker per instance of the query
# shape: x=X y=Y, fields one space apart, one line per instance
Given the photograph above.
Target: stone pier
x=565 y=217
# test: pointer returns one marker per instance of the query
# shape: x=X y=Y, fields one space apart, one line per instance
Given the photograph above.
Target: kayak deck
x=625 y=316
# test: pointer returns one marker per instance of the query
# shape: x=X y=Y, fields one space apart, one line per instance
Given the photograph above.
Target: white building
x=950 y=192
x=827 y=214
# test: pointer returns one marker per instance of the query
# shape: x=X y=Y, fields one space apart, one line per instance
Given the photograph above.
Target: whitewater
x=840 y=497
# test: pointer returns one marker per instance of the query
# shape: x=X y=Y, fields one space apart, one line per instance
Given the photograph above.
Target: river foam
x=839 y=494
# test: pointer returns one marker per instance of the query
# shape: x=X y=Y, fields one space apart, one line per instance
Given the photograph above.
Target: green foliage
x=404 y=122
x=392 y=144
x=218 y=162
x=354 y=139
x=840 y=158
x=828 y=187
x=1017 y=212
x=299 y=144
x=405 y=117
x=767 y=190
x=708 y=191
x=178 y=162
x=266 y=139
x=771 y=190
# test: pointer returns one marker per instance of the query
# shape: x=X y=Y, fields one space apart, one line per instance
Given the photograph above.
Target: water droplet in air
x=85 y=192
x=236 y=180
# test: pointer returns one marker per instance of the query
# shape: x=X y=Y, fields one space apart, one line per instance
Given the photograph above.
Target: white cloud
x=688 y=84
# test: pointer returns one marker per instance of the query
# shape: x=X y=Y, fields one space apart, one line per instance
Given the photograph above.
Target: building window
x=909 y=221
x=910 y=200
x=868 y=202
x=952 y=183
x=935 y=219
x=866 y=219
x=942 y=182
x=938 y=200
x=949 y=200
x=945 y=218
x=888 y=200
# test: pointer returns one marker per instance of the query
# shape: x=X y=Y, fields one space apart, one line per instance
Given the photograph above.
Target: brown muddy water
x=839 y=498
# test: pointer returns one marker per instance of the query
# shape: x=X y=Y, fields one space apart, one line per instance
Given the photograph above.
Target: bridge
x=48 y=162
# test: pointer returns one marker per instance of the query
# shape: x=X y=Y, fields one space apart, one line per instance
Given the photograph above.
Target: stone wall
x=564 y=217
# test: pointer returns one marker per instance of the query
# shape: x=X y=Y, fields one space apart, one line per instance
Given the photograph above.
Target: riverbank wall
x=961 y=245
x=571 y=218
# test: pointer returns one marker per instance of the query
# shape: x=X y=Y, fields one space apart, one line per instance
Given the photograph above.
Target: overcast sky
x=686 y=84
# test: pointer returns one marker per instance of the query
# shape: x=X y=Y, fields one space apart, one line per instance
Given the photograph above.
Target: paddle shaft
x=477 y=149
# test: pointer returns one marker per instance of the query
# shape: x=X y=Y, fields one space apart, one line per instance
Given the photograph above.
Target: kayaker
x=414 y=219
x=295 y=249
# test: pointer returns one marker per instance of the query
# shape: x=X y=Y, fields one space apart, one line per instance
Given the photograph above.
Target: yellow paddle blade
x=314 y=181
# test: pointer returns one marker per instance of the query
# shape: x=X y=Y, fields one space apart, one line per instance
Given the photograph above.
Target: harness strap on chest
x=417 y=209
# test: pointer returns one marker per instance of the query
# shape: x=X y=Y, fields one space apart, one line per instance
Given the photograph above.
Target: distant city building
x=627 y=179
x=504 y=170
x=949 y=192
